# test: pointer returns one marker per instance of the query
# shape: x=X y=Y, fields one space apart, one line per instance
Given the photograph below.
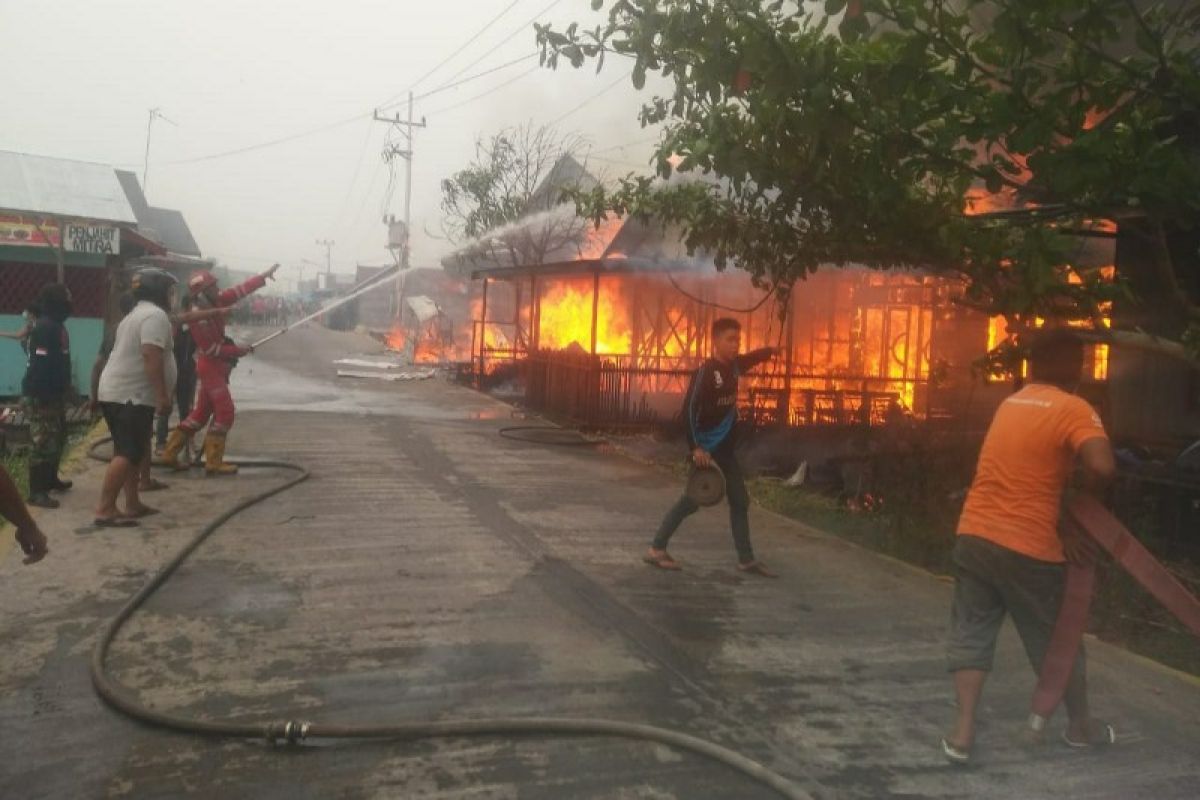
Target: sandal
x=1102 y=734
x=756 y=568
x=955 y=755
x=661 y=559
x=115 y=522
x=154 y=485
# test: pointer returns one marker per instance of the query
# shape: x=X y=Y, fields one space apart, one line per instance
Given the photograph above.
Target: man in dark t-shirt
x=710 y=417
x=45 y=387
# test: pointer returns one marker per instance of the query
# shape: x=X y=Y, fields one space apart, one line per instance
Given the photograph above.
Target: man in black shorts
x=1010 y=554
x=136 y=381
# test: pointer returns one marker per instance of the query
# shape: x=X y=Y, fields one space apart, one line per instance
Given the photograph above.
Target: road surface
x=434 y=570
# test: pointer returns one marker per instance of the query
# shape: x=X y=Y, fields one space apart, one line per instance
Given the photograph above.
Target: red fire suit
x=214 y=361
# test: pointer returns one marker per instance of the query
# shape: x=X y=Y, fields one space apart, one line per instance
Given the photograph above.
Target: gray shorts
x=991 y=581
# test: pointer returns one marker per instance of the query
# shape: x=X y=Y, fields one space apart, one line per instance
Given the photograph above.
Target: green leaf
x=639 y=76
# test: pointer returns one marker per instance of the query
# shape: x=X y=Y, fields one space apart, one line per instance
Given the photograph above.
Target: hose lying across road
x=294 y=731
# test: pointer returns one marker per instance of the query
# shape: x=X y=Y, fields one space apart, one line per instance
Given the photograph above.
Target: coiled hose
x=295 y=731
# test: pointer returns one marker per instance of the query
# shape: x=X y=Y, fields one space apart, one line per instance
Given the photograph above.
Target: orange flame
x=566 y=316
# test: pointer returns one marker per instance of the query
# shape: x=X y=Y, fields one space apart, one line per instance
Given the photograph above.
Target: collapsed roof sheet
x=422 y=307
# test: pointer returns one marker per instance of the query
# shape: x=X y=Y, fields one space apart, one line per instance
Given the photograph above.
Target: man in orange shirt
x=1010 y=553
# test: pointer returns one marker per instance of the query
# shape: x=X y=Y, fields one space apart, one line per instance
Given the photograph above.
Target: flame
x=494 y=337
x=566 y=316
x=426 y=351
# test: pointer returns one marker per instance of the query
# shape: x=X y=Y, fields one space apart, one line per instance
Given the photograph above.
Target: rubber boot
x=58 y=484
x=176 y=442
x=40 y=478
x=214 y=455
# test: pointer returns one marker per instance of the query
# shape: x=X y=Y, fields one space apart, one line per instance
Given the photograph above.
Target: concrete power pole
x=405 y=126
x=328 y=245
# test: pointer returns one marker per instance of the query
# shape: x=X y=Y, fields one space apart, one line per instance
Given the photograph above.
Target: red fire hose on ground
x=1116 y=540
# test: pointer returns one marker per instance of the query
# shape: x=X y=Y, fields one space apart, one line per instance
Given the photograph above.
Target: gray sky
x=234 y=74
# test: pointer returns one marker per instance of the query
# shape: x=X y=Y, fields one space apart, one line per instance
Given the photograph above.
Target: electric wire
x=450 y=57
x=362 y=155
x=591 y=99
x=481 y=95
x=522 y=28
x=296 y=731
x=270 y=143
x=447 y=86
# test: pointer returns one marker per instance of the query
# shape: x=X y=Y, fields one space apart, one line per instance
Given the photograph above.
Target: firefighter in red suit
x=215 y=357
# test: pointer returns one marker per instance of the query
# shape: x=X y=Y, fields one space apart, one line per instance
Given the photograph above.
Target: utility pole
x=328 y=245
x=405 y=126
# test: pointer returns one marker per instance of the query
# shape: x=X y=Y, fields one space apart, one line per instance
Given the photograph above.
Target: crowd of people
x=268 y=311
x=1012 y=546
x=161 y=356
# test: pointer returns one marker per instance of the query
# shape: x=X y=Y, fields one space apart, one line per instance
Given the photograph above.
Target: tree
x=498 y=187
x=851 y=132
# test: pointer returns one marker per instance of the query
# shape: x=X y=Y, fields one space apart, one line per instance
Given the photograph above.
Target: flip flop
x=1108 y=736
x=756 y=568
x=955 y=755
x=661 y=560
x=155 y=485
x=115 y=522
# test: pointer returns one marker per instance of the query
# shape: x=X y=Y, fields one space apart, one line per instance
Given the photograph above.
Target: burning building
x=607 y=324
x=604 y=325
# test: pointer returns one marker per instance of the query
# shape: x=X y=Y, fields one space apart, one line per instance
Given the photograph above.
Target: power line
x=591 y=99
x=362 y=154
x=522 y=28
x=618 y=162
x=481 y=95
x=271 y=143
x=446 y=86
x=626 y=144
x=450 y=57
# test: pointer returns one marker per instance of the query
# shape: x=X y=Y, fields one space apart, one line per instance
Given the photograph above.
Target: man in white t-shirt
x=138 y=379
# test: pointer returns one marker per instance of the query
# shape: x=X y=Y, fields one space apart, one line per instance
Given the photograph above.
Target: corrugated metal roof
x=58 y=186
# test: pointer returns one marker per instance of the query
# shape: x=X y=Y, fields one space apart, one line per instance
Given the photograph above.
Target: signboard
x=81 y=237
x=84 y=238
x=23 y=232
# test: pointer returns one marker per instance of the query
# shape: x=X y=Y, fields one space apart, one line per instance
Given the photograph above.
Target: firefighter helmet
x=201 y=280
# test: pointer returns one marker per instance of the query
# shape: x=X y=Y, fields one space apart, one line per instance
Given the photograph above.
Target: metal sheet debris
x=423 y=307
x=418 y=375
x=362 y=362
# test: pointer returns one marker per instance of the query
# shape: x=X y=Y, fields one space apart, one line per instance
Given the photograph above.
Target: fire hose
x=1106 y=531
x=373 y=282
x=295 y=731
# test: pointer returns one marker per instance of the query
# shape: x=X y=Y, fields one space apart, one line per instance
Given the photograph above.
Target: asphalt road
x=434 y=570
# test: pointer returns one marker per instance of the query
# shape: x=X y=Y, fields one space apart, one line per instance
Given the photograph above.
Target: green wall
x=86 y=334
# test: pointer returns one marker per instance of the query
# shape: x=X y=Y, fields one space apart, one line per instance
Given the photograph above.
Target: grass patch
x=1122 y=613
x=16 y=463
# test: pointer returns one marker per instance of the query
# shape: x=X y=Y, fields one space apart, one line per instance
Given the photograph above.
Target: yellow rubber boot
x=214 y=455
x=178 y=439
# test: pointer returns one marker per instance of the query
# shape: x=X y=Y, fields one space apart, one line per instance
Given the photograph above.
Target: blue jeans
x=739 y=508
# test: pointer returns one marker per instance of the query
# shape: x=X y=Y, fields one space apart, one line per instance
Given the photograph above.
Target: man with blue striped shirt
x=710 y=415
